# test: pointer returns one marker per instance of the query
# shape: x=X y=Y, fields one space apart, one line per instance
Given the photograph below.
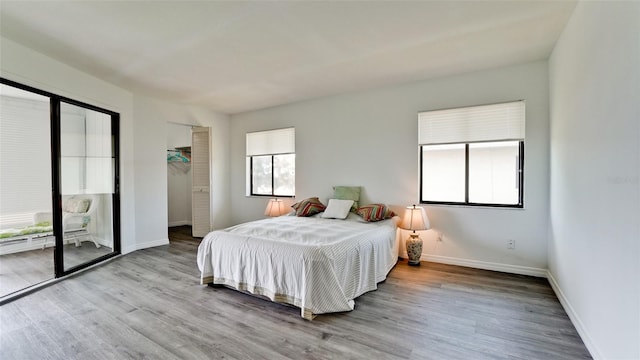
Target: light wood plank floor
x=148 y=304
x=23 y=269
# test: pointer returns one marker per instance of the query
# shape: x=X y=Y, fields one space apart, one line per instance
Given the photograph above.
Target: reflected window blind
x=25 y=157
x=271 y=142
x=495 y=122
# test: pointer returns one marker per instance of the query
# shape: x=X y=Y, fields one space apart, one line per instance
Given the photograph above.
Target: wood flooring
x=149 y=305
x=23 y=269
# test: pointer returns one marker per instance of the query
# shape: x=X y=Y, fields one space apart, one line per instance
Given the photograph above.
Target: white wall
x=23 y=65
x=152 y=116
x=369 y=139
x=594 y=238
x=179 y=177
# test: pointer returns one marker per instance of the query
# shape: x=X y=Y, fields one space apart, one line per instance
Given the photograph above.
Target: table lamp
x=275 y=207
x=415 y=218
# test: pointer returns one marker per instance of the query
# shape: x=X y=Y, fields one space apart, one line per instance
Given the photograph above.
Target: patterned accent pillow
x=308 y=207
x=347 y=193
x=73 y=205
x=375 y=212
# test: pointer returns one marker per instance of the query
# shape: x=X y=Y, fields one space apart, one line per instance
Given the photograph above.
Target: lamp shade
x=275 y=207
x=415 y=218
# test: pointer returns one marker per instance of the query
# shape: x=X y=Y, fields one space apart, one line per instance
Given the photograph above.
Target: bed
x=317 y=264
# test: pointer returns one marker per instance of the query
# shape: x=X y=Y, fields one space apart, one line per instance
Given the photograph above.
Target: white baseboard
x=575 y=319
x=27 y=245
x=508 y=268
x=148 y=244
x=179 y=223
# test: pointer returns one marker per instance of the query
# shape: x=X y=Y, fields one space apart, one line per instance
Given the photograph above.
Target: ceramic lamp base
x=414 y=249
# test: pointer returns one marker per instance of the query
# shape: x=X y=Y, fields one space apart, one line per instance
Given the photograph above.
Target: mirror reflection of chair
x=78 y=213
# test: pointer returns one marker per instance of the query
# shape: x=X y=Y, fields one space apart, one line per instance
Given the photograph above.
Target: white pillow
x=337 y=209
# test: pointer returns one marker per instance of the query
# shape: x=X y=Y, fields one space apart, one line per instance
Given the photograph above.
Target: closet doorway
x=59 y=198
x=188 y=178
x=179 y=175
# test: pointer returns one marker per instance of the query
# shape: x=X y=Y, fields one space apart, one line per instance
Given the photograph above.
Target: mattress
x=319 y=265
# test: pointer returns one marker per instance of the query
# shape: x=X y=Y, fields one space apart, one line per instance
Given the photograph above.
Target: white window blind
x=25 y=156
x=505 y=121
x=281 y=141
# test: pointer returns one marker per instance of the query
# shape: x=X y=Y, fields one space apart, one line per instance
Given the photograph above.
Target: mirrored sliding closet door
x=59 y=198
x=87 y=178
x=26 y=228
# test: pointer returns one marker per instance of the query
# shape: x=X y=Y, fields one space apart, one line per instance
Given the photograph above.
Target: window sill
x=467 y=206
x=271 y=196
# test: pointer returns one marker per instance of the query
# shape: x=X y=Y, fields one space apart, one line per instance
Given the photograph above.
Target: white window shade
x=25 y=160
x=505 y=121
x=281 y=141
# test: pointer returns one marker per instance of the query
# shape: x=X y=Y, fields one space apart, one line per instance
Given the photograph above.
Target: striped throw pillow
x=308 y=207
x=375 y=212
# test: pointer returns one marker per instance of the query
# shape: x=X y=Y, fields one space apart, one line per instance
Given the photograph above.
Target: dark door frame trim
x=55 y=101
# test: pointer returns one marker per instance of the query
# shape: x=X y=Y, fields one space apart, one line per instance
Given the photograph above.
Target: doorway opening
x=179 y=176
x=189 y=177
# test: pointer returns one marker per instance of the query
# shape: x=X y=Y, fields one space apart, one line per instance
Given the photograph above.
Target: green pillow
x=347 y=193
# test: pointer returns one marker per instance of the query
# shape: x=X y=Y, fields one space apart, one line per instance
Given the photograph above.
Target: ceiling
x=240 y=56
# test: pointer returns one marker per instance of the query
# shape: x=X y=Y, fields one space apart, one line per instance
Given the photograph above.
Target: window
x=271 y=163
x=473 y=155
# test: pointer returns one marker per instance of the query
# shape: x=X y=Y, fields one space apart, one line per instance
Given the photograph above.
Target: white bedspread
x=319 y=265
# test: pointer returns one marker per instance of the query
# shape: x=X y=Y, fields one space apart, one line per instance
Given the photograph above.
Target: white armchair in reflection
x=78 y=213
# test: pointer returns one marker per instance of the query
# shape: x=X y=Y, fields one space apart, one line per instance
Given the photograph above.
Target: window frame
x=519 y=205
x=273 y=194
x=269 y=143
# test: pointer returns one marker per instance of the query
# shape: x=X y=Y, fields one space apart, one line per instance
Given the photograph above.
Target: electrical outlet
x=511 y=244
